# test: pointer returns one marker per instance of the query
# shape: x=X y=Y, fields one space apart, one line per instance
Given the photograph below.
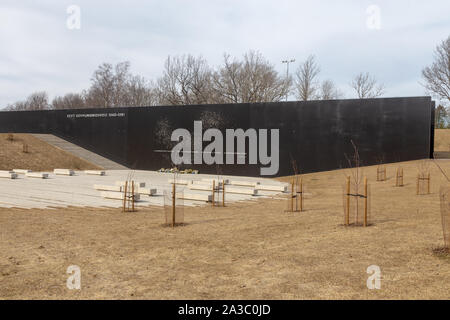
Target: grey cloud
x=38 y=52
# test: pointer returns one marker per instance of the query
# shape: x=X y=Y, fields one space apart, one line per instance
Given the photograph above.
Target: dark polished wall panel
x=317 y=134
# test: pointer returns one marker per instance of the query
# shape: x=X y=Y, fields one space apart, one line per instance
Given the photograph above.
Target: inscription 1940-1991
x=96 y=115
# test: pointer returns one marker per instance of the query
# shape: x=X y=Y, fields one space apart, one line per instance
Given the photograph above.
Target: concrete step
x=39 y=175
x=247 y=191
x=194 y=196
x=80 y=152
x=64 y=172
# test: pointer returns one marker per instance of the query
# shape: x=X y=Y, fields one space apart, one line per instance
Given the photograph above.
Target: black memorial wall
x=316 y=134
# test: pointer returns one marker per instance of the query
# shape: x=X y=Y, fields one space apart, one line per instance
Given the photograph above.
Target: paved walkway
x=78 y=190
x=80 y=152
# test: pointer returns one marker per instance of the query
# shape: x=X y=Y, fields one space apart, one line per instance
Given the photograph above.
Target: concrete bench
x=203 y=187
x=38 y=175
x=265 y=187
x=216 y=180
x=180 y=181
x=194 y=196
x=244 y=183
x=21 y=171
x=147 y=191
x=8 y=175
x=136 y=184
x=64 y=172
x=95 y=172
x=117 y=195
x=251 y=192
x=207 y=183
x=107 y=188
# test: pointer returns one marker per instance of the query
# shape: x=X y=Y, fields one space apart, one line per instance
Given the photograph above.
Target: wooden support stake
x=417 y=184
x=292 y=196
x=347 y=213
x=213 y=192
x=132 y=196
x=301 y=194
x=295 y=194
x=399 y=177
x=125 y=197
x=428 y=188
x=381 y=173
x=173 y=205
x=223 y=193
x=365 y=202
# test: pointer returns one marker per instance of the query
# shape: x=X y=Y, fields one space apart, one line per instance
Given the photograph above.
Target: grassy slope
x=40 y=157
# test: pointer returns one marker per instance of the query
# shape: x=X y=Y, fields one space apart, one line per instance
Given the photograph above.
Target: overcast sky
x=39 y=52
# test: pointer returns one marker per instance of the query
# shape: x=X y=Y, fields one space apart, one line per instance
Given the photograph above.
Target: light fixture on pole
x=287 y=71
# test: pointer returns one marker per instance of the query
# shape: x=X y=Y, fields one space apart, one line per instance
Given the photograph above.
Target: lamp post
x=287 y=71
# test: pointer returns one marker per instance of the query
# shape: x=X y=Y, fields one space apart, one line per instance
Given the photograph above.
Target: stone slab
x=64 y=172
x=117 y=195
x=95 y=172
x=39 y=175
x=21 y=171
x=266 y=187
x=244 y=183
x=247 y=191
x=147 y=191
x=107 y=188
x=180 y=181
x=194 y=196
x=8 y=175
x=136 y=184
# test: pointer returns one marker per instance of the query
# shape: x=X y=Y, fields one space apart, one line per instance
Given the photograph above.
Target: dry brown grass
x=28 y=152
x=442 y=140
x=248 y=250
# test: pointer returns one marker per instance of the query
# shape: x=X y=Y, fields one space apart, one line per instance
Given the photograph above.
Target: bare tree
x=186 y=80
x=252 y=79
x=366 y=86
x=441 y=117
x=109 y=85
x=35 y=101
x=101 y=92
x=261 y=81
x=38 y=101
x=140 y=92
x=437 y=76
x=121 y=81
x=228 y=81
x=116 y=86
x=305 y=82
x=92 y=98
x=329 y=91
x=16 y=106
x=69 y=101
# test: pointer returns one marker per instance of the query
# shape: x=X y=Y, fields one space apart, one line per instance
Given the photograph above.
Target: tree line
x=437 y=82
x=187 y=80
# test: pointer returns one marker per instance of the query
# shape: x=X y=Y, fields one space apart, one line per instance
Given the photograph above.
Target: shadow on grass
x=169 y=225
x=442 y=253
x=359 y=225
